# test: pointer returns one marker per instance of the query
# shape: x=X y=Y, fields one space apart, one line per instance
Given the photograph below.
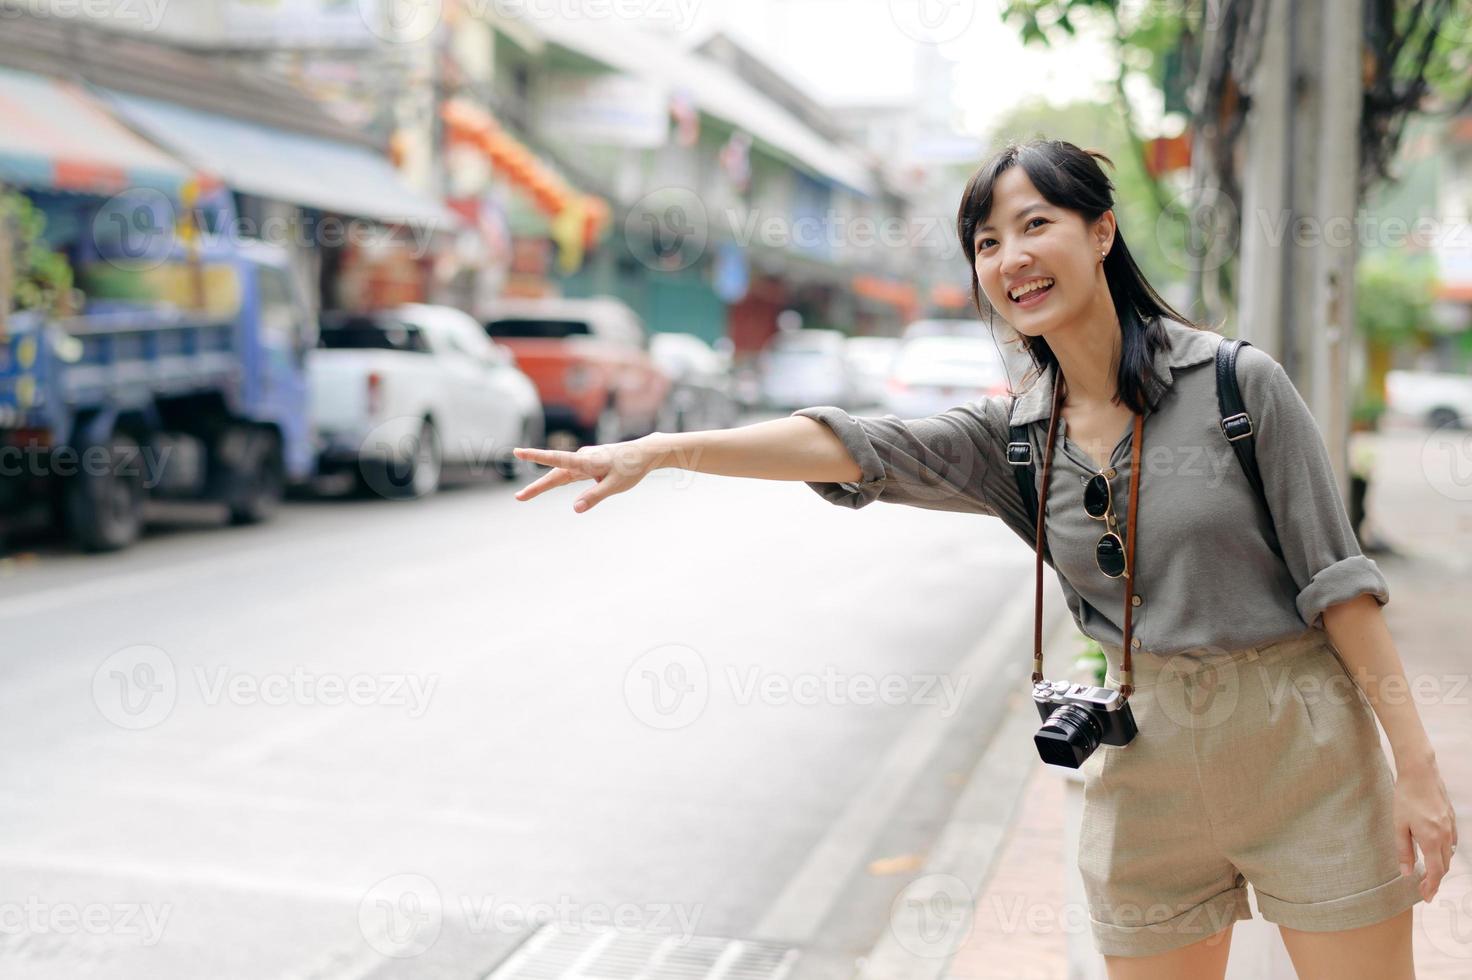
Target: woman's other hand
x=1424 y=815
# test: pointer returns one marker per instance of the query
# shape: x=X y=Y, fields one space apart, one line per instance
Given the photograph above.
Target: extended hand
x=615 y=467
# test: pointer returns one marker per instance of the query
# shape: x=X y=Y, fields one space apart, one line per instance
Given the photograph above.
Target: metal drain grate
x=614 y=954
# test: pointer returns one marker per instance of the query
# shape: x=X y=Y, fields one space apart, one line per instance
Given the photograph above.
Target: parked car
x=806 y=367
x=935 y=373
x=590 y=361
x=160 y=402
x=870 y=359
x=702 y=395
x=397 y=395
x=1438 y=400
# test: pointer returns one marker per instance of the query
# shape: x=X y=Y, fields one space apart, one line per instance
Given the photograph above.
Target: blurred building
x=252 y=153
x=579 y=155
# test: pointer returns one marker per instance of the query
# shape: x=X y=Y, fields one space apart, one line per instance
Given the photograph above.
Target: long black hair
x=1069 y=177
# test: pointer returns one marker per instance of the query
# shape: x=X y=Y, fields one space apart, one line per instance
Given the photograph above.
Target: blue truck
x=138 y=400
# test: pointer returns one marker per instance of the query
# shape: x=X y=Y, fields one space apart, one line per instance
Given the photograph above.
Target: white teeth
x=1033 y=286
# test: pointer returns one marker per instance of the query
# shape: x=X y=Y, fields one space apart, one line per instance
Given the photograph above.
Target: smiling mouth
x=1031 y=292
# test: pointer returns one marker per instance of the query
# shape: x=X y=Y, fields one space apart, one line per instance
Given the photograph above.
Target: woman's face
x=1026 y=240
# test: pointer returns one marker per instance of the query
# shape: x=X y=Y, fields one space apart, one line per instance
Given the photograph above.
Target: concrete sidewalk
x=1421 y=504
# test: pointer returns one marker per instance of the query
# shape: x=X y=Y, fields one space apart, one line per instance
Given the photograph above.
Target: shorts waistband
x=1148 y=666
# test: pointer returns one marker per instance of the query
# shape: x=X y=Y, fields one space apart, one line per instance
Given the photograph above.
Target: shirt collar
x=1189 y=346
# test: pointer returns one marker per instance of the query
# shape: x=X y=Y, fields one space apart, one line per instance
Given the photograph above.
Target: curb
x=958 y=867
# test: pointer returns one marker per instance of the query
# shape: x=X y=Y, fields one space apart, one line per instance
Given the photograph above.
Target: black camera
x=1077 y=719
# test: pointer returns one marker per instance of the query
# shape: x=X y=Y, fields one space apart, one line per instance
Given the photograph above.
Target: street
x=381 y=738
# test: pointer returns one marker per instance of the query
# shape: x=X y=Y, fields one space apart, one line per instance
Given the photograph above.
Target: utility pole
x=1300 y=201
x=1332 y=328
x=1266 y=197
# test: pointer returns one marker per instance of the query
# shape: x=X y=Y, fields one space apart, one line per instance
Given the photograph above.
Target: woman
x=1258 y=606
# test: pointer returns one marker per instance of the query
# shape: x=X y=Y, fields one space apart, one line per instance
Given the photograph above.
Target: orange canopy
x=473 y=125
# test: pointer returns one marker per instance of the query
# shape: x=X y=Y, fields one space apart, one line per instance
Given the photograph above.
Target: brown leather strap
x=1037 y=602
x=1127 y=686
x=1126 y=671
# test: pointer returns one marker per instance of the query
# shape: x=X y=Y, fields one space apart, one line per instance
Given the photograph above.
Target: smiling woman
x=1047 y=257
x=1229 y=573
x=1114 y=377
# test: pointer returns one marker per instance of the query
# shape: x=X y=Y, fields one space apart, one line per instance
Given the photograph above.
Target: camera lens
x=1068 y=737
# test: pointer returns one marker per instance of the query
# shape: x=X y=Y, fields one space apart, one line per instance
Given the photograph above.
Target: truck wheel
x=256 y=485
x=417 y=476
x=104 y=504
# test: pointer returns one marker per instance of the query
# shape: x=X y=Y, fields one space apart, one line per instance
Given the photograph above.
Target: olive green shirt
x=1207 y=574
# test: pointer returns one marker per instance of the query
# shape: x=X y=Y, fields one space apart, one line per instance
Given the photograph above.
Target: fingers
x=1438 y=856
x=1436 y=864
x=597 y=492
x=546 y=482
x=1405 y=850
x=570 y=468
x=1435 y=843
x=553 y=457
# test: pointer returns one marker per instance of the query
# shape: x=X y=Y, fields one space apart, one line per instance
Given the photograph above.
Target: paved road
x=381 y=739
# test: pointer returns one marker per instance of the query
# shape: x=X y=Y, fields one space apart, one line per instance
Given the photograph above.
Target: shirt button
x=1136 y=600
x=1110 y=473
x=1135 y=643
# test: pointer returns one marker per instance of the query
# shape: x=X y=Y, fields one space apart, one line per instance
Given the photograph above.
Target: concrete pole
x=1299 y=238
x=1333 y=325
x=1265 y=199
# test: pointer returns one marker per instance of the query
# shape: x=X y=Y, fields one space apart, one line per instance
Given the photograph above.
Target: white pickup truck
x=1438 y=400
x=400 y=395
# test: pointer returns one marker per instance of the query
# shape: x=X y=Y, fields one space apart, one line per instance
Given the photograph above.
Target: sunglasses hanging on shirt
x=1109 y=552
x=1115 y=557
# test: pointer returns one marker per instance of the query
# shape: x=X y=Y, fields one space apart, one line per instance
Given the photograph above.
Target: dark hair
x=1069 y=177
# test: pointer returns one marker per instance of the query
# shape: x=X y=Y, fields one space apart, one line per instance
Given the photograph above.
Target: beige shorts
x=1257 y=766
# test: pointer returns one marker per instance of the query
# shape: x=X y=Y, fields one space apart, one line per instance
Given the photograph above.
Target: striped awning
x=286 y=166
x=54 y=134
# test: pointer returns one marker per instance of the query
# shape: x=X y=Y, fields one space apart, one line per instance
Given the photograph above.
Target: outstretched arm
x=793 y=448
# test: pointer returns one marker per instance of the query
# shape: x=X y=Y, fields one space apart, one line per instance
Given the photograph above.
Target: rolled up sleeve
x=1313 y=528
x=955 y=461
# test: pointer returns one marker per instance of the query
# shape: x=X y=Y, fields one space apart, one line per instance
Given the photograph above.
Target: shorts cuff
x=1350 y=912
x=1190 y=926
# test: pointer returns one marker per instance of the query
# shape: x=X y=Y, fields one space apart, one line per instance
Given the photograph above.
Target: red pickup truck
x=589 y=359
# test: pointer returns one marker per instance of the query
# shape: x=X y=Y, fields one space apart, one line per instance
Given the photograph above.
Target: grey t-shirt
x=1207 y=574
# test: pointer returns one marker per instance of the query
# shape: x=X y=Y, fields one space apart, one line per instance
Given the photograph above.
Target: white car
x=1438 y=400
x=397 y=395
x=870 y=359
x=801 y=368
x=702 y=393
x=936 y=373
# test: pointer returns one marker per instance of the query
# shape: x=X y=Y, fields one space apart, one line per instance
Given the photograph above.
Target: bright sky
x=845 y=51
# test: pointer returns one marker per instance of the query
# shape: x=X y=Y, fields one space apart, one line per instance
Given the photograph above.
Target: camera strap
x=1126 y=673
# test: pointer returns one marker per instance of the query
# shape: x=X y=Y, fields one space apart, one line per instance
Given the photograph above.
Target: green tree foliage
x=1393 y=297
x=39 y=277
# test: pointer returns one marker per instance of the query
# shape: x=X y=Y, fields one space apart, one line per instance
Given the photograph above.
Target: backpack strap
x=1019 y=454
x=1236 y=423
x=1238 y=428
